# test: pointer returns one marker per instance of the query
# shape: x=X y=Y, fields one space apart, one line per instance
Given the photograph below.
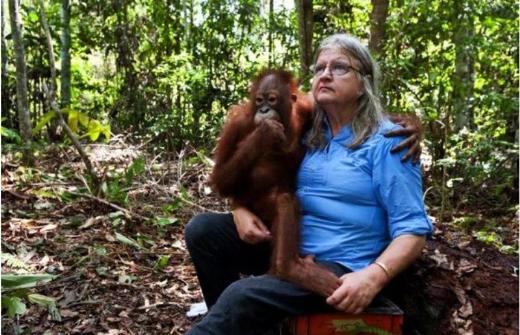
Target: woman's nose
x=326 y=74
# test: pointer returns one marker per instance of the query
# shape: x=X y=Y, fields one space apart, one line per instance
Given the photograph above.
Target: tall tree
x=378 y=26
x=271 y=19
x=463 y=78
x=5 y=90
x=51 y=97
x=24 y=117
x=304 y=8
x=65 y=54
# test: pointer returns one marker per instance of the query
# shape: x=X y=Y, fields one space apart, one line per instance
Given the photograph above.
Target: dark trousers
x=251 y=305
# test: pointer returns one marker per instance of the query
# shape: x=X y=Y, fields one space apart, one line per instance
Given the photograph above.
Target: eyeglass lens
x=336 y=68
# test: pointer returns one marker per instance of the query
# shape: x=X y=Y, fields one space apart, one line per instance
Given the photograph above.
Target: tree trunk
x=51 y=97
x=270 y=32
x=377 y=27
x=24 y=118
x=6 y=102
x=187 y=9
x=65 y=54
x=464 y=76
x=304 y=8
x=48 y=37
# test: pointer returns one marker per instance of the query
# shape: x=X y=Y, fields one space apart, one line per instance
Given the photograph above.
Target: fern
x=14 y=262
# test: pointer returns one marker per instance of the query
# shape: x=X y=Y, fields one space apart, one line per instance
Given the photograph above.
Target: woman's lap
x=257 y=305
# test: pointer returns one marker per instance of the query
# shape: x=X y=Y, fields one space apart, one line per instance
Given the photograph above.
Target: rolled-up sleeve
x=398 y=188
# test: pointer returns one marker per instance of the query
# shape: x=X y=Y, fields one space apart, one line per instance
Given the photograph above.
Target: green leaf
x=43 y=121
x=172 y=207
x=76 y=119
x=144 y=240
x=184 y=193
x=100 y=250
x=14 y=262
x=94 y=129
x=115 y=193
x=126 y=240
x=106 y=131
x=103 y=271
x=136 y=168
x=40 y=299
x=14 y=305
x=204 y=159
x=160 y=221
x=84 y=120
x=73 y=121
x=43 y=205
x=10 y=134
x=67 y=197
x=16 y=281
x=46 y=301
x=117 y=217
x=162 y=262
x=116 y=214
x=45 y=194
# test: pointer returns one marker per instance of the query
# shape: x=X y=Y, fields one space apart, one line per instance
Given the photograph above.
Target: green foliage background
x=166 y=72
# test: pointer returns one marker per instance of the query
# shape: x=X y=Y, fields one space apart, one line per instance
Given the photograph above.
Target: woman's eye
x=340 y=69
x=319 y=68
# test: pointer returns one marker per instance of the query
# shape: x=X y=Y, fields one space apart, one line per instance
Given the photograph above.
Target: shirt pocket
x=350 y=179
x=311 y=172
x=310 y=176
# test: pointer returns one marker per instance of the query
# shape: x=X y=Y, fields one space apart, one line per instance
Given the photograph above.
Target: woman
x=362 y=211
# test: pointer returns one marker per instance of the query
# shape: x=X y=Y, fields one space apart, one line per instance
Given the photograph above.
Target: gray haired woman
x=363 y=215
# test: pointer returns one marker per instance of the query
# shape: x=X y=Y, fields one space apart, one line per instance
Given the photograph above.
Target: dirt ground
x=106 y=286
x=460 y=286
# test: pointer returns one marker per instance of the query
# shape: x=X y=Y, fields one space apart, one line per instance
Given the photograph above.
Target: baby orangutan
x=256 y=162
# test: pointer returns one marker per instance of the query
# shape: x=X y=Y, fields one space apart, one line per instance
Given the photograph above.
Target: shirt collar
x=344 y=134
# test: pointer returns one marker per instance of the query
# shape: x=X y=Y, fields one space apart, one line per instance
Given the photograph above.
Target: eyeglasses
x=336 y=69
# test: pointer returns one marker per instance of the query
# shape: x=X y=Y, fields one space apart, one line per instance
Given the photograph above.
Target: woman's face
x=335 y=80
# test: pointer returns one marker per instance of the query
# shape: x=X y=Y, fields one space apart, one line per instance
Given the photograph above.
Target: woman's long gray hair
x=369 y=112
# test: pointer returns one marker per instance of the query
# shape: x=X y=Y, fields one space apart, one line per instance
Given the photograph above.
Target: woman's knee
x=261 y=297
x=205 y=227
x=239 y=293
x=197 y=228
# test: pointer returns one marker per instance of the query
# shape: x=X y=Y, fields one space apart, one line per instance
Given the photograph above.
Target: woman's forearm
x=399 y=254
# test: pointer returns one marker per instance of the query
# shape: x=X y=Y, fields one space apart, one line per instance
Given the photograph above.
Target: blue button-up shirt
x=355 y=201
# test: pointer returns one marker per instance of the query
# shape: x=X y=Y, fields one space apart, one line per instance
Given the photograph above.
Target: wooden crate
x=383 y=317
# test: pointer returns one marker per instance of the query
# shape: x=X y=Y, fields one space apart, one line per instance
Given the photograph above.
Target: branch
x=51 y=98
x=18 y=195
x=105 y=202
x=198 y=206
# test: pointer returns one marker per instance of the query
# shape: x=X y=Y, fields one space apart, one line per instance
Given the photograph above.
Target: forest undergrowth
x=118 y=262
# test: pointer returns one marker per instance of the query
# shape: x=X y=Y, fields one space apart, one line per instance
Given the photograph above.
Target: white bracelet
x=383 y=266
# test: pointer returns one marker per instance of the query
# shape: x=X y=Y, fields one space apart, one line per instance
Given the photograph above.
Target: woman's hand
x=250 y=228
x=358 y=289
x=412 y=128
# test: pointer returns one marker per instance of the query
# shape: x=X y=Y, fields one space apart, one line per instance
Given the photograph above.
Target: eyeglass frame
x=348 y=69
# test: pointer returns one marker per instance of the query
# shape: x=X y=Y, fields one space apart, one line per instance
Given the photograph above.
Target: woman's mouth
x=324 y=88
